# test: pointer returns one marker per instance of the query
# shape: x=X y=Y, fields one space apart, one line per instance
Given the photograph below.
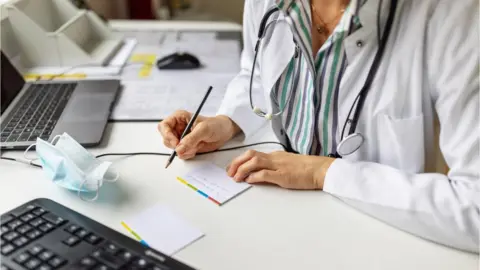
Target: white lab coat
x=430 y=67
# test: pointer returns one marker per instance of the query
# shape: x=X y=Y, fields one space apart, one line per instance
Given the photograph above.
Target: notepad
x=213 y=183
x=160 y=228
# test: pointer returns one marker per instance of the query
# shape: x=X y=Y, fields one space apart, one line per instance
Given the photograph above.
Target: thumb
x=190 y=143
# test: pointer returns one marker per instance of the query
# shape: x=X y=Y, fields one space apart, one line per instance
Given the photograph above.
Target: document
x=160 y=228
x=155 y=100
x=213 y=183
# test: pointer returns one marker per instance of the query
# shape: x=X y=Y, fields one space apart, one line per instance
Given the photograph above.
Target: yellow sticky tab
x=148 y=60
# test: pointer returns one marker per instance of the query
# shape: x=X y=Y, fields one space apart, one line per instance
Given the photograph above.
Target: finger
x=169 y=135
x=252 y=165
x=233 y=167
x=191 y=142
x=264 y=176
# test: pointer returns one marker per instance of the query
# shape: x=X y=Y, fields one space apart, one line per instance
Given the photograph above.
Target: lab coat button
x=282 y=132
x=359 y=43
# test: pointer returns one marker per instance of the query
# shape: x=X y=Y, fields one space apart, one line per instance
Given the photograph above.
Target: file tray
x=56 y=33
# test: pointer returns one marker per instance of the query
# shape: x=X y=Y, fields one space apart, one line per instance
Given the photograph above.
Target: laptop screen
x=11 y=82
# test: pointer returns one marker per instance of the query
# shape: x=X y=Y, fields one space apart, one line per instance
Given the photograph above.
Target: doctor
x=353 y=88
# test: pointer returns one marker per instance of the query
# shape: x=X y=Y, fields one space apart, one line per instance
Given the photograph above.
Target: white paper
x=214 y=182
x=158 y=99
x=163 y=230
x=113 y=68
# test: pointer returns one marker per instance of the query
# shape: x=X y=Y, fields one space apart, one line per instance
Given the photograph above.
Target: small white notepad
x=163 y=230
x=213 y=183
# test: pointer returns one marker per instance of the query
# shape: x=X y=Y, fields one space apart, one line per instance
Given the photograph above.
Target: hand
x=207 y=134
x=287 y=170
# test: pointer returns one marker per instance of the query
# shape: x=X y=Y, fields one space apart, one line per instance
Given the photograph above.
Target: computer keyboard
x=45 y=235
x=37 y=113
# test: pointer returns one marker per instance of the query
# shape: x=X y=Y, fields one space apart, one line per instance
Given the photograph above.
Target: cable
x=22 y=161
x=154 y=153
x=199 y=154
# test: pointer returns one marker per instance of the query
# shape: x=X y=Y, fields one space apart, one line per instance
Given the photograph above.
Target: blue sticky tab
x=203 y=194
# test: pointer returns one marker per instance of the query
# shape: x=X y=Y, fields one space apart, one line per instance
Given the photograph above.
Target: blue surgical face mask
x=71 y=166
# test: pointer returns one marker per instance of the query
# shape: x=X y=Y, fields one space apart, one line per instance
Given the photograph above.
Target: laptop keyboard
x=38 y=112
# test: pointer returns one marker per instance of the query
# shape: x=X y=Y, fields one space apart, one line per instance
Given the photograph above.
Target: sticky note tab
x=148 y=60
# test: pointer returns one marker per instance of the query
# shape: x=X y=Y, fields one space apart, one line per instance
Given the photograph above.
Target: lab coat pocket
x=401 y=142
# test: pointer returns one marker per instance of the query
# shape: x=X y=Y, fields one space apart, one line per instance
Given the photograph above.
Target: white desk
x=264 y=228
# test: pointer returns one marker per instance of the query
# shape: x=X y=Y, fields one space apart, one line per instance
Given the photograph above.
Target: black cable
x=156 y=154
x=199 y=154
x=25 y=162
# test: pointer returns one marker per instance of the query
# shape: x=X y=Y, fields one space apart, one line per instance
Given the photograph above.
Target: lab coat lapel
x=360 y=48
x=275 y=53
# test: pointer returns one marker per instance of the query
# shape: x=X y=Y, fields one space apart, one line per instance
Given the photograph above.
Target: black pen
x=190 y=124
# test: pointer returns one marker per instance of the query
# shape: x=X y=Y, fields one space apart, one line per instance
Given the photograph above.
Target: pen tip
x=168 y=164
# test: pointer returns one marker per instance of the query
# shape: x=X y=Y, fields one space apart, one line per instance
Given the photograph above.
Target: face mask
x=71 y=166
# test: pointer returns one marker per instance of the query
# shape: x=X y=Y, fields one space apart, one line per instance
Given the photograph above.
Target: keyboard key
x=7 y=130
x=7 y=249
x=71 y=241
x=32 y=138
x=37 y=222
x=23 y=138
x=22 y=257
x=102 y=267
x=46 y=227
x=3 y=139
x=17 y=131
x=19 y=126
x=14 y=224
x=21 y=241
x=34 y=234
x=108 y=259
x=46 y=255
x=4 y=267
x=44 y=137
x=36 y=249
x=24 y=228
x=12 y=138
x=158 y=267
x=33 y=263
x=27 y=217
x=44 y=267
x=57 y=262
x=112 y=248
x=22 y=211
x=54 y=219
x=39 y=211
x=10 y=236
x=37 y=132
x=5 y=219
x=88 y=262
x=72 y=228
x=140 y=264
x=127 y=256
x=93 y=239
x=31 y=124
x=82 y=233
x=4 y=229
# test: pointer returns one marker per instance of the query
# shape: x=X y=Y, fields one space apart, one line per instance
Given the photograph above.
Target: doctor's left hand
x=287 y=170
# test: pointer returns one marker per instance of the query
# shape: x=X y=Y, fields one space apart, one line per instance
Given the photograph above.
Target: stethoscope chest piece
x=350 y=144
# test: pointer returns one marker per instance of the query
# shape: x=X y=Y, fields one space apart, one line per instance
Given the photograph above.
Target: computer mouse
x=178 y=61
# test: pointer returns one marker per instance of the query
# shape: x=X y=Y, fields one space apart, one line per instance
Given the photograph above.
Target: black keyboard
x=45 y=235
x=37 y=112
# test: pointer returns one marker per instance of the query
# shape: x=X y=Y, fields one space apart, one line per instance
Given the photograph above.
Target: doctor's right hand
x=207 y=134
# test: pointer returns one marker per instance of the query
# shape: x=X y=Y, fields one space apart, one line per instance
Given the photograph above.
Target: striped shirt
x=309 y=118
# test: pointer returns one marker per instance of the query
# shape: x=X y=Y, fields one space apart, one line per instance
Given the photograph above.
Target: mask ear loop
x=79 y=192
x=30 y=160
x=112 y=180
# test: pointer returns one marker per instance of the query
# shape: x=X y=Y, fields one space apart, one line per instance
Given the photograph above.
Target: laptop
x=46 y=109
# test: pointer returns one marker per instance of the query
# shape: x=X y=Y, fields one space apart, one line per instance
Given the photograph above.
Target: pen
x=189 y=125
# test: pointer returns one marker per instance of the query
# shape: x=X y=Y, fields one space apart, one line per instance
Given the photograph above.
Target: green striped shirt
x=310 y=119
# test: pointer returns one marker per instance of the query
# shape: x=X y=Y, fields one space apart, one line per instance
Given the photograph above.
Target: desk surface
x=264 y=228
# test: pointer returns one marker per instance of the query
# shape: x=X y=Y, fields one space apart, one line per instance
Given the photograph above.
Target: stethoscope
x=354 y=140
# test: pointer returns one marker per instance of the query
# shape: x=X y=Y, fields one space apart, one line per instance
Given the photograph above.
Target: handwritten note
x=213 y=183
